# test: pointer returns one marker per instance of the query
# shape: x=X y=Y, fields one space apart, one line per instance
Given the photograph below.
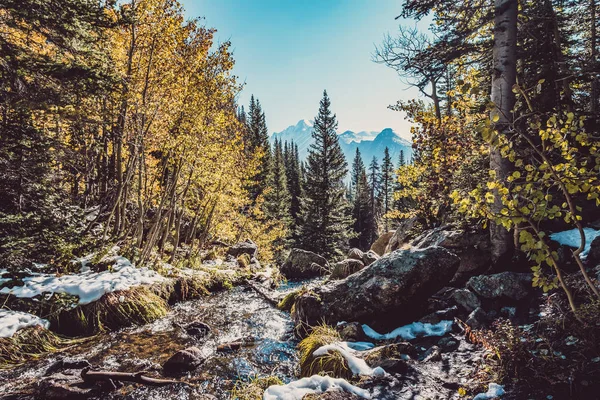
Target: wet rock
x=400 y=235
x=436 y=317
x=184 y=360
x=396 y=283
x=381 y=243
x=473 y=248
x=355 y=254
x=594 y=253
x=508 y=312
x=466 y=299
x=304 y=264
x=346 y=268
x=197 y=329
x=63 y=386
x=477 y=319
x=236 y=344
x=508 y=285
x=370 y=257
x=246 y=247
x=432 y=354
x=448 y=344
x=68 y=363
x=389 y=357
x=351 y=332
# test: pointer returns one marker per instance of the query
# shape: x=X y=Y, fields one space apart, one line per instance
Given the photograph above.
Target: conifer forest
x=160 y=238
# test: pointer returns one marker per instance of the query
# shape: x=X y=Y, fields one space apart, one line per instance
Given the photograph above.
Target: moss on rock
x=332 y=364
x=254 y=388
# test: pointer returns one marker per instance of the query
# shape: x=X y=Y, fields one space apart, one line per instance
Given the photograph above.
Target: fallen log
x=90 y=377
x=236 y=345
x=263 y=293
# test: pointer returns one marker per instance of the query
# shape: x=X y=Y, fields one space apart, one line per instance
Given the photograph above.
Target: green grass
x=254 y=388
x=332 y=364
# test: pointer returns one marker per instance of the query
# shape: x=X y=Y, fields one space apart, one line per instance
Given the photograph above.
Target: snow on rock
x=12 y=321
x=411 y=331
x=572 y=238
x=2 y=273
x=357 y=365
x=316 y=384
x=494 y=391
x=88 y=286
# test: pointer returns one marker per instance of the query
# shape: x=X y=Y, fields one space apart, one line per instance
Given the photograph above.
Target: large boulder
x=304 y=264
x=390 y=290
x=505 y=285
x=466 y=299
x=593 y=256
x=381 y=243
x=472 y=247
x=399 y=237
x=246 y=247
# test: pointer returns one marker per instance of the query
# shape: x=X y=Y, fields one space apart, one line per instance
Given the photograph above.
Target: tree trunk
x=593 y=45
x=503 y=80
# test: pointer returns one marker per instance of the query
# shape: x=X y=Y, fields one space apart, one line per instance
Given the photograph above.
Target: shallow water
x=232 y=315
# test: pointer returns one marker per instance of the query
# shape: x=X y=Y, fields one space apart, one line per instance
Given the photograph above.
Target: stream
x=232 y=315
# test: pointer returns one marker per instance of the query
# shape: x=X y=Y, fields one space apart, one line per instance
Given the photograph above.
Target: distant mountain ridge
x=370 y=144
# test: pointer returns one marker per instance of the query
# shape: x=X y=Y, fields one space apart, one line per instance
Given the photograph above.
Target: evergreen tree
x=357 y=168
x=294 y=185
x=325 y=224
x=401 y=160
x=374 y=199
x=387 y=186
x=277 y=197
x=257 y=141
x=361 y=212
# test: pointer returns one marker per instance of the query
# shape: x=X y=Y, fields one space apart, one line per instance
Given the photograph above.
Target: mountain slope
x=369 y=143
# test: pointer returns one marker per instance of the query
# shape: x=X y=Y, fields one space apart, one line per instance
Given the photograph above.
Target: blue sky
x=288 y=51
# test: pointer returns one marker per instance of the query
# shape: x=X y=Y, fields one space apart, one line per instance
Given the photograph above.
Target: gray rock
x=509 y=285
x=404 y=278
x=436 y=317
x=389 y=357
x=64 y=386
x=448 y=344
x=594 y=253
x=432 y=354
x=184 y=360
x=68 y=363
x=197 y=329
x=355 y=254
x=381 y=243
x=466 y=299
x=351 y=332
x=346 y=268
x=400 y=235
x=477 y=319
x=304 y=264
x=245 y=247
x=473 y=248
x=370 y=257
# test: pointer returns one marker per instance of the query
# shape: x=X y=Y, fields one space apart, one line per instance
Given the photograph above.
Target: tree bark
x=593 y=45
x=503 y=80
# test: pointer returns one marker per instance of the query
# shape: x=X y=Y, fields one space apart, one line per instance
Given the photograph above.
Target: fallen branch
x=90 y=377
x=263 y=293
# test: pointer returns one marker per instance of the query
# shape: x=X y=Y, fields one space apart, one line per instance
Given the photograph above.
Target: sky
x=288 y=51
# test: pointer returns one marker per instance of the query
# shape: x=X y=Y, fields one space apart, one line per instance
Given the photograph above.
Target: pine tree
x=357 y=168
x=257 y=141
x=401 y=160
x=325 y=224
x=361 y=212
x=294 y=186
x=374 y=199
x=387 y=186
x=277 y=198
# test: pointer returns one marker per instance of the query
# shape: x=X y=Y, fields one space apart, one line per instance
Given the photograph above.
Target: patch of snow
x=412 y=331
x=12 y=321
x=572 y=238
x=316 y=384
x=88 y=286
x=357 y=365
x=494 y=391
x=360 y=346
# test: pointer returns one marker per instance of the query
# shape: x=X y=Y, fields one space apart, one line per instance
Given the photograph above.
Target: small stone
x=351 y=331
x=370 y=257
x=246 y=247
x=477 y=318
x=433 y=354
x=448 y=344
x=355 y=254
x=198 y=329
x=184 y=360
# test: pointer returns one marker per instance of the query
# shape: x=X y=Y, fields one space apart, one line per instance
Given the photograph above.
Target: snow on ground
x=316 y=384
x=12 y=321
x=357 y=365
x=411 y=331
x=88 y=286
x=572 y=238
x=494 y=391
